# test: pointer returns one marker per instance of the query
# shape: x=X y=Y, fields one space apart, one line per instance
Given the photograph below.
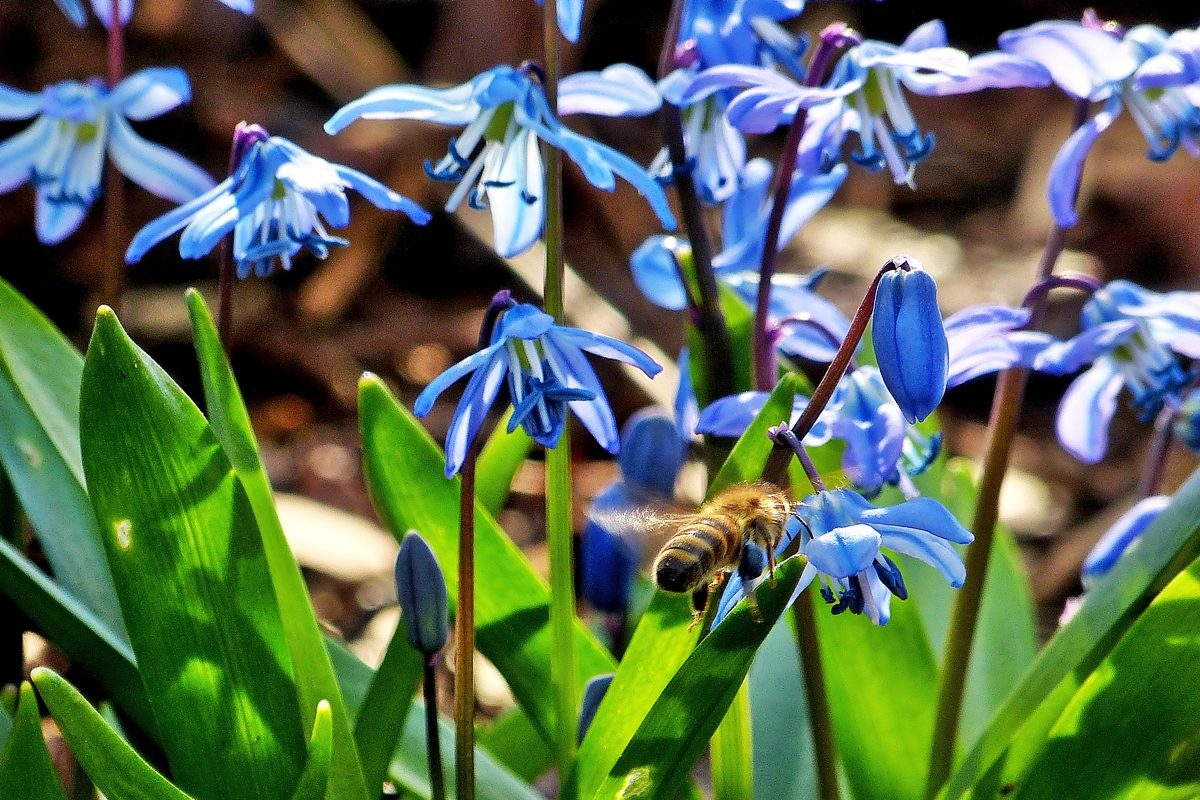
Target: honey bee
x=738 y=529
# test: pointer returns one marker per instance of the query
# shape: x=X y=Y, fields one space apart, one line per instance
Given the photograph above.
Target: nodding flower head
x=62 y=152
x=546 y=372
x=910 y=339
x=496 y=162
x=276 y=203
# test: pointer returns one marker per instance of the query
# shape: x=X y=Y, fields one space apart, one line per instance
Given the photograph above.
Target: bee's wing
x=646 y=520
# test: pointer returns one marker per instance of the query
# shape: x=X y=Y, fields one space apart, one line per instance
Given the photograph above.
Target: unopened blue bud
x=421 y=589
x=593 y=693
x=910 y=339
x=652 y=451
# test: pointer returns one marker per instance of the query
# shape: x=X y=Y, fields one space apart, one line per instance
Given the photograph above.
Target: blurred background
x=406 y=302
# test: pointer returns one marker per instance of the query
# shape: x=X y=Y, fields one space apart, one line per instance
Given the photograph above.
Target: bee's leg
x=699 y=604
x=764 y=541
x=753 y=603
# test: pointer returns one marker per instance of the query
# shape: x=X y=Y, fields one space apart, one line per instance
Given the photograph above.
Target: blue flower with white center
x=496 y=161
x=909 y=339
x=743 y=230
x=1131 y=337
x=104 y=8
x=276 y=203
x=843 y=537
x=1123 y=534
x=547 y=372
x=62 y=152
x=1144 y=70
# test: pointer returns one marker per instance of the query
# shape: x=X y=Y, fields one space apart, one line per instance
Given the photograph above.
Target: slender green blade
x=663 y=639
x=515 y=742
x=315 y=679
x=404 y=470
x=114 y=766
x=1113 y=605
x=314 y=781
x=26 y=769
x=657 y=760
x=386 y=705
x=501 y=457
x=1130 y=731
x=194 y=585
x=39 y=448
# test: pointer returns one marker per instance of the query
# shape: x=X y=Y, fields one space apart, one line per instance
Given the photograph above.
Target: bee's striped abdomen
x=691 y=556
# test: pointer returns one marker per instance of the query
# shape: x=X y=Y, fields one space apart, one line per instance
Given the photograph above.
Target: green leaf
x=731 y=752
x=39 y=447
x=1130 y=730
x=657 y=760
x=195 y=589
x=664 y=638
x=315 y=779
x=116 y=769
x=501 y=457
x=90 y=644
x=405 y=474
x=386 y=705
x=515 y=742
x=1023 y=721
x=882 y=685
x=26 y=769
x=784 y=761
x=315 y=680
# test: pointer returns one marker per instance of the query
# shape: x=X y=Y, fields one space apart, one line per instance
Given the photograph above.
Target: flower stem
x=558 y=460
x=824 y=746
x=710 y=322
x=114 y=181
x=833 y=38
x=464 y=634
x=1002 y=428
x=437 y=780
x=1156 y=455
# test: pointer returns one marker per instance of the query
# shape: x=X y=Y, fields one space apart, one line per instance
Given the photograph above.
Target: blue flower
x=274 y=203
x=1117 y=539
x=1144 y=70
x=103 y=8
x=842 y=535
x=743 y=231
x=570 y=18
x=546 y=371
x=62 y=153
x=496 y=161
x=652 y=454
x=1128 y=336
x=910 y=340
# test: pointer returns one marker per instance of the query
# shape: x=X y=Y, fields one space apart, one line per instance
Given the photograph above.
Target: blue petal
x=476 y=400
x=244 y=6
x=56 y=220
x=923 y=37
x=455 y=106
x=153 y=167
x=910 y=341
x=604 y=346
x=516 y=199
x=444 y=381
x=1063 y=358
x=687 y=408
x=15 y=104
x=730 y=416
x=921 y=513
x=1067 y=167
x=103 y=9
x=595 y=414
x=621 y=90
x=18 y=154
x=172 y=221
x=151 y=92
x=381 y=196
x=1117 y=539
x=993 y=70
x=74 y=11
x=523 y=321
x=1084 y=62
x=656 y=273
x=1086 y=410
x=845 y=551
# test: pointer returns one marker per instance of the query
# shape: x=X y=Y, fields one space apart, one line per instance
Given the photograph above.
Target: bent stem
x=464 y=634
x=1002 y=428
x=558 y=460
x=114 y=181
x=437 y=780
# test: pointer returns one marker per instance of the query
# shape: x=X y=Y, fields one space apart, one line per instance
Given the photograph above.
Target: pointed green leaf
x=315 y=679
x=514 y=742
x=405 y=474
x=26 y=769
x=315 y=778
x=39 y=447
x=386 y=706
x=194 y=585
x=657 y=760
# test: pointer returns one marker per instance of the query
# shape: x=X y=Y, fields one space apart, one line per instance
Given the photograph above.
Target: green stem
x=437 y=780
x=732 y=751
x=559 y=533
x=12 y=621
x=819 y=718
x=464 y=633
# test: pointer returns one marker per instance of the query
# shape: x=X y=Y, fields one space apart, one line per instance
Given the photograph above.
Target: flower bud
x=421 y=589
x=910 y=340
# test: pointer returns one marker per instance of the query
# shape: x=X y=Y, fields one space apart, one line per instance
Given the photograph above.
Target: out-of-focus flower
x=547 y=372
x=62 y=152
x=1144 y=69
x=1186 y=426
x=104 y=10
x=421 y=589
x=496 y=161
x=1130 y=336
x=1120 y=537
x=274 y=203
x=842 y=534
x=570 y=17
x=593 y=695
x=910 y=340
